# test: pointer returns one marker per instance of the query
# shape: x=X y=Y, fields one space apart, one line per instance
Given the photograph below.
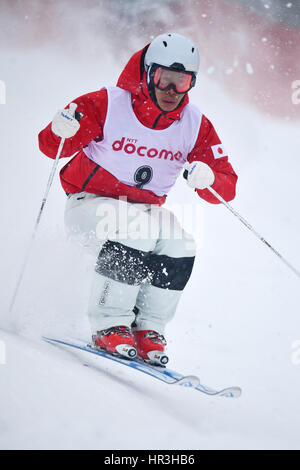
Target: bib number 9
x=142 y=176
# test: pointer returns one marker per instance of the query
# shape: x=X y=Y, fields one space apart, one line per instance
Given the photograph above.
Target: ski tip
x=230 y=392
x=233 y=392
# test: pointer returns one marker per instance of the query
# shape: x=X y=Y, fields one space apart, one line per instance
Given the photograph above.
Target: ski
x=163 y=374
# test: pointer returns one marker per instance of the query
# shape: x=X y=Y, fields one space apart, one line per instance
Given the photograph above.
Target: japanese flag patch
x=219 y=151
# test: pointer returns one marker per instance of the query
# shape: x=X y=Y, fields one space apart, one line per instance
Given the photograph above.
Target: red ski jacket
x=82 y=174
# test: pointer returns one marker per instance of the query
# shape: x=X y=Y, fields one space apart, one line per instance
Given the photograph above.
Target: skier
x=131 y=143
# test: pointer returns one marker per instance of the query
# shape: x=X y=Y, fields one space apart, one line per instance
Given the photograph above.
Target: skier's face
x=168 y=100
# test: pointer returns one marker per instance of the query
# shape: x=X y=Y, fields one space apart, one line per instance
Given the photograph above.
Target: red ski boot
x=116 y=340
x=150 y=347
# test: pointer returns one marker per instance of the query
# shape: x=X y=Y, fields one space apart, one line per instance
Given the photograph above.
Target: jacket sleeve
x=93 y=107
x=209 y=149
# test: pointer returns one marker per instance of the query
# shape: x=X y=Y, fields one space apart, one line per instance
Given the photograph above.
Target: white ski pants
x=143 y=260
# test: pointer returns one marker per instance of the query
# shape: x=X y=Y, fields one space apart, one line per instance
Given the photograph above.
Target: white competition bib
x=142 y=157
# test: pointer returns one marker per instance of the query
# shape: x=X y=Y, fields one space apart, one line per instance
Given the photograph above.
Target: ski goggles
x=181 y=82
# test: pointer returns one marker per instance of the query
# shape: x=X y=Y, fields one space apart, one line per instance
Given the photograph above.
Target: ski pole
x=234 y=212
x=50 y=180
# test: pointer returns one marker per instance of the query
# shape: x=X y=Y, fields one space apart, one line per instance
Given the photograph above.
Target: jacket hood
x=133 y=79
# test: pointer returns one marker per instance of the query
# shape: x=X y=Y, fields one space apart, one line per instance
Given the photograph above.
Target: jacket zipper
x=156 y=120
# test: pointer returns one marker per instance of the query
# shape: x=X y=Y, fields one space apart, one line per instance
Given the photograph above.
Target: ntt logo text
x=131 y=147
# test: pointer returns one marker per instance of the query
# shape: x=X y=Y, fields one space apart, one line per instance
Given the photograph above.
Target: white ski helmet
x=173 y=51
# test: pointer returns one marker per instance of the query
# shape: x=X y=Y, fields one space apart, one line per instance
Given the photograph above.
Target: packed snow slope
x=237 y=322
